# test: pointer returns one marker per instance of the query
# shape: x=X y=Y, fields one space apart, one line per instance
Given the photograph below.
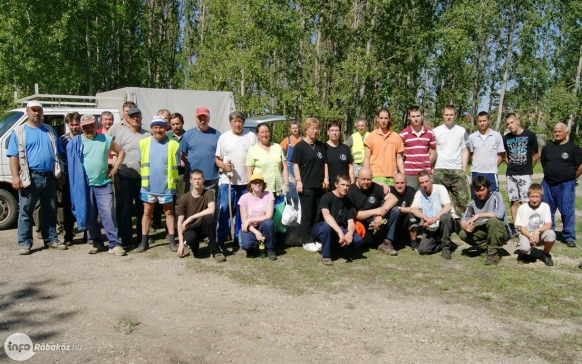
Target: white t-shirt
x=533 y=219
x=450 y=142
x=431 y=205
x=234 y=148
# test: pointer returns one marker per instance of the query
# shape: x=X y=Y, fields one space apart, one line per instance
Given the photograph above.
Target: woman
x=310 y=168
x=256 y=213
x=267 y=159
x=338 y=155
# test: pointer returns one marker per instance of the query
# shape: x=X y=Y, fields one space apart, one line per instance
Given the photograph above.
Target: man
x=406 y=222
x=116 y=128
x=384 y=150
x=453 y=155
x=165 y=115
x=35 y=166
x=419 y=147
x=335 y=221
x=177 y=132
x=289 y=143
x=432 y=204
x=371 y=208
x=91 y=184
x=196 y=218
x=231 y=155
x=129 y=176
x=158 y=210
x=73 y=122
x=106 y=119
x=158 y=160
x=562 y=163
x=198 y=148
x=521 y=155
x=484 y=224
x=487 y=152
x=356 y=144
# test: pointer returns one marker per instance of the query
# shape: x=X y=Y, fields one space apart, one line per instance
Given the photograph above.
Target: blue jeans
x=101 y=202
x=267 y=228
x=393 y=217
x=223 y=214
x=327 y=236
x=45 y=189
x=129 y=193
x=563 y=197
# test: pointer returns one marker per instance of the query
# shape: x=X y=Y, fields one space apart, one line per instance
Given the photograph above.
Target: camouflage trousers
x=456 y=183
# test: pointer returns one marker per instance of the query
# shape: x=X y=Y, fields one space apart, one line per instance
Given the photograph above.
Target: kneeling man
x=484 y=224
x=335 y=221
x=432 y=204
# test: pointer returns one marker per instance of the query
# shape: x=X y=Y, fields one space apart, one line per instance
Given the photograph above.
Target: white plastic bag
x=289 y=214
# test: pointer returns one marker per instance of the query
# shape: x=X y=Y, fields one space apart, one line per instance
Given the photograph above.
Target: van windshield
x=8 y=119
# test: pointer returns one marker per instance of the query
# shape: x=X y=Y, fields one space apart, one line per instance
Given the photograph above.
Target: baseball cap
x=202 y=111
x=134 y=110
x=87 y=119
x=255 y=177
x=33 y=103
x=158 y=120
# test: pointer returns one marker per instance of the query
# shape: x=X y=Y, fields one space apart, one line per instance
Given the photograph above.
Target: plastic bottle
x=262 y=251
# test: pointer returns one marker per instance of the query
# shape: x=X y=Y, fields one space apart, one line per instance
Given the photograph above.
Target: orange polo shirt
x=383 y=151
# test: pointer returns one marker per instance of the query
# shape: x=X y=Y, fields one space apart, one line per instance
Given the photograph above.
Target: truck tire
x=8 y=209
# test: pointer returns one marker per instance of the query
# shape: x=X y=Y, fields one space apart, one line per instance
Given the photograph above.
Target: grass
x=127 y=325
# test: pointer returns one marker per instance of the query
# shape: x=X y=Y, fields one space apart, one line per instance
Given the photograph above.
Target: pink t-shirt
x=255 y=206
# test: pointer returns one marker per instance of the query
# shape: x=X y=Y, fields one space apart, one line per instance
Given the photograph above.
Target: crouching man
x=406 y=223
x=534 y=221
x=374 y=209
x=196 y=218
x=484 y=224
x=335 y=221
x=432 y=204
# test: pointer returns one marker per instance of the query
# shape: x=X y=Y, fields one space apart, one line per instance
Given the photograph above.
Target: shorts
x=162 y=199
x=517 y=187
x=386 y=180
x=545 y=237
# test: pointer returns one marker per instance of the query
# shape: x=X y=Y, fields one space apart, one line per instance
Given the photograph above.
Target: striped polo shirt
x=416 y=149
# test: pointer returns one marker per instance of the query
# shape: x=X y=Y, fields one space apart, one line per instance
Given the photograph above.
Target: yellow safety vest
x=144 y=147
x=358 y=149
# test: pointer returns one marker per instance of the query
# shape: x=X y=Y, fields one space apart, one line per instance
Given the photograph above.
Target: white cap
x=33 y=103
x=158 y=120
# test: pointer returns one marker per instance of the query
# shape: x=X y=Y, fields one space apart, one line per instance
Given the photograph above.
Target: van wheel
x=8 y=209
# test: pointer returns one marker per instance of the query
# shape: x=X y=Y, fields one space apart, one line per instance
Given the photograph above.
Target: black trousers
x=205 y=228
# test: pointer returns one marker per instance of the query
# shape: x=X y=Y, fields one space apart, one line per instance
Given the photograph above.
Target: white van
x=54 y=116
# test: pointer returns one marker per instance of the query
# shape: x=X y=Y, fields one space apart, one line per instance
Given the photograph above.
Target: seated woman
x=256 y=213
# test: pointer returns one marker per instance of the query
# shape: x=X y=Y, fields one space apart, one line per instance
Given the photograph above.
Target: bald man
x=562 y=163
x=374 y=210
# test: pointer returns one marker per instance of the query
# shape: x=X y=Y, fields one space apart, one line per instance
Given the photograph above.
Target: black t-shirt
x=311 y=160
x=363 y=200
x=520 y=149
x=338 y=161
x=404 y=200
x=341 y=209
x=560 y=162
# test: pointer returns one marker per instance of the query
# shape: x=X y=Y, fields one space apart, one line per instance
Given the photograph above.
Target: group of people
x=375 y=190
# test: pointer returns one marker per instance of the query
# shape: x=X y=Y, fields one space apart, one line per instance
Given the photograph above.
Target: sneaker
x=143 y=246
x=492 y=259
x=271 y=254
x=318 y=245
x=118 y=250
x=173 y=245
x=219 y=257
x=514 y=234
x=96 y=248
x=571 y=244
x=414 y=245
x=326 y=261
x=310 y=247
x=547 y=259
x=69 y=242
x=57 y=245
x=446 y=253
x=26 y=251
x=387 y=248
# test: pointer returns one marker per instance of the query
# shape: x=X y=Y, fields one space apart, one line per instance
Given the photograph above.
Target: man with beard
x=158 y=159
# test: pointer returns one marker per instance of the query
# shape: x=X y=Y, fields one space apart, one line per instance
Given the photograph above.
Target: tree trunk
x=506 y=73
x=575 y=90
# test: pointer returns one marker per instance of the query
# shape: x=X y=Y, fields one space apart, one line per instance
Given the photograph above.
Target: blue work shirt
x=39 y=149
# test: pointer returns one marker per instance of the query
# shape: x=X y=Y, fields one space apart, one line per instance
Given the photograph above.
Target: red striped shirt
x=416 y=149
